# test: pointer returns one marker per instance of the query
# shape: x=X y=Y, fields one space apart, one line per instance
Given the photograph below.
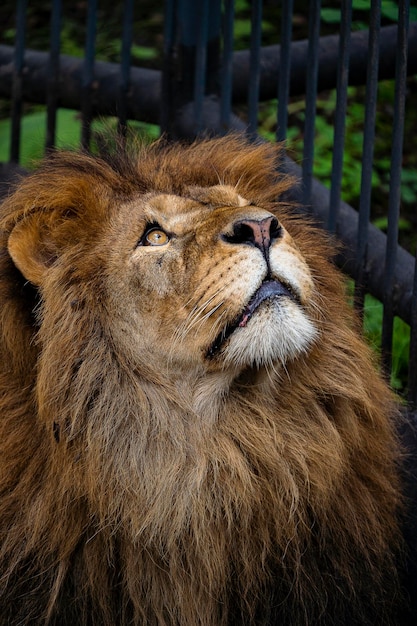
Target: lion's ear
x=31 y=248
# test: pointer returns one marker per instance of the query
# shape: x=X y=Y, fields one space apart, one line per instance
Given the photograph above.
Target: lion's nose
x=260 y=233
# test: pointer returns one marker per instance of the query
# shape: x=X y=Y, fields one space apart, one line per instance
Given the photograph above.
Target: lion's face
x=209 y=279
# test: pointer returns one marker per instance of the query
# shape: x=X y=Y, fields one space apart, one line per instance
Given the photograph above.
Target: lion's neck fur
x=221 y=493
x=196 y=489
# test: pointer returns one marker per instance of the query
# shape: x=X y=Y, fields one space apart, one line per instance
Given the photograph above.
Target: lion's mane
x=118 y=504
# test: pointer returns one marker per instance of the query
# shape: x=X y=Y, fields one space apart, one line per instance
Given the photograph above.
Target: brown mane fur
x=117 y=504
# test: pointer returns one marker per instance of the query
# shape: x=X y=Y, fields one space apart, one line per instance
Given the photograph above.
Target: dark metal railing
x=340 y=115
x=368 y=153
x=52 y=90
x=395 y=182
x=201 y=83
x=17 y=71
x=311 y=98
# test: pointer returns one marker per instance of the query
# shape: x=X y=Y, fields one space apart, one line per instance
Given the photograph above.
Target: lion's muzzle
x=260 y=233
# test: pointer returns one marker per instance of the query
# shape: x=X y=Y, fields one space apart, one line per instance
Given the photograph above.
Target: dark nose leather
x=259 y=233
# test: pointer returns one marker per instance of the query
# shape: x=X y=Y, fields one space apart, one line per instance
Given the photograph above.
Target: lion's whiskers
x=197 y=316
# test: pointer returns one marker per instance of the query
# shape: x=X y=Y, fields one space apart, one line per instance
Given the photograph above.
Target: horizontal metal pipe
x=144 y=97
x=328 y=59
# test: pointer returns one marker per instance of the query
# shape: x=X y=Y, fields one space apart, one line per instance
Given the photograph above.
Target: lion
x=192 y=429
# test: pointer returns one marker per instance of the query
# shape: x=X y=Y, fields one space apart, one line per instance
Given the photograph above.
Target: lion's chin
x=277 y=332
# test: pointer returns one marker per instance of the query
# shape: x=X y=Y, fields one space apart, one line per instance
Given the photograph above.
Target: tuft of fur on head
x=144 y=482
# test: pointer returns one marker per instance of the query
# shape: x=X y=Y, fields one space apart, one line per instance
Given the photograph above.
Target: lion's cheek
x=290 y=267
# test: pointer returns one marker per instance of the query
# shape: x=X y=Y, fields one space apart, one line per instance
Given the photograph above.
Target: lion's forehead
x=176 y=212
x=197 y=205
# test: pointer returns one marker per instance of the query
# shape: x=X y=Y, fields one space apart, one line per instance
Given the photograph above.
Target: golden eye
x=156 y=237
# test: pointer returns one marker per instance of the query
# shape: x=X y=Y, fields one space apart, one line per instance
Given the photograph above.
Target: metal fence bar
x=340 y=118
x=311 y=98
x=227 y=61
x=17 y=99
x=166 y=104
x=287 y=8
x=127 y=36
x=368 y=152
x=200 y=71
x=395 y=184
x=88 y=75
x=53 y=75
x=254 y=73
x=412 y=368
x=196 y=38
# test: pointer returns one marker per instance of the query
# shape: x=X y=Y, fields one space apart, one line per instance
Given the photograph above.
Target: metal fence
x=203 y=85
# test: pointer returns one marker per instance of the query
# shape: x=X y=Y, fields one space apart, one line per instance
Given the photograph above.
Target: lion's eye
x=154 y=236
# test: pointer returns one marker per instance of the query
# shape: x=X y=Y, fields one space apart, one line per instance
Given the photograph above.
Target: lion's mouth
x=267 y=291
